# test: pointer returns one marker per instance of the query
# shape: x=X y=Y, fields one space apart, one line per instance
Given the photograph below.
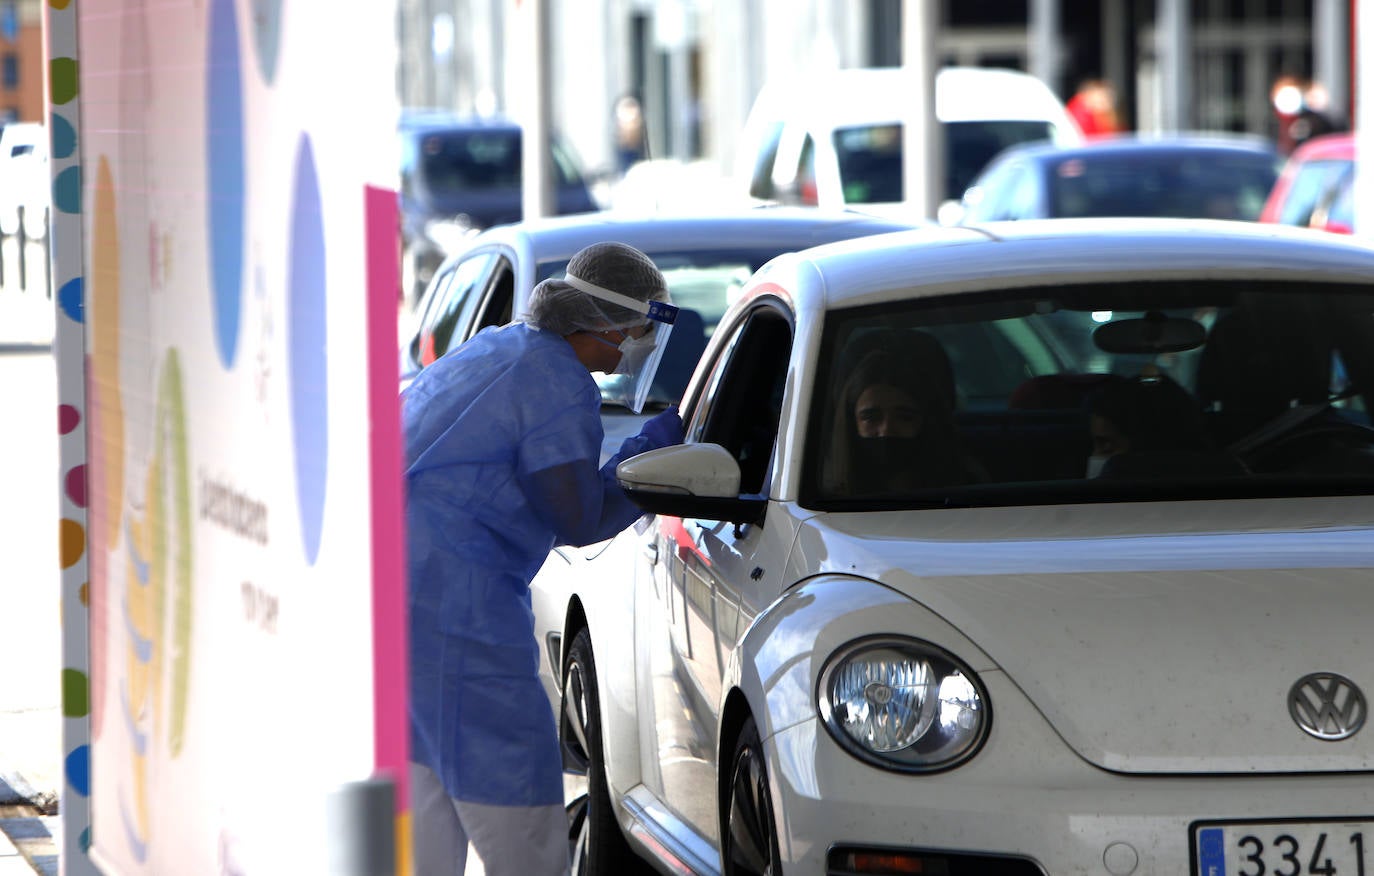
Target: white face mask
x=1095 y=465
x=634 y=352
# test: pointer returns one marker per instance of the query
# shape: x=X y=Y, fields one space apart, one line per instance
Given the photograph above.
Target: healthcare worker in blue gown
x=503 y=441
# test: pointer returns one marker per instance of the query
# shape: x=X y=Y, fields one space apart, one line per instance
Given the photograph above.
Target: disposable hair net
x=556 y=306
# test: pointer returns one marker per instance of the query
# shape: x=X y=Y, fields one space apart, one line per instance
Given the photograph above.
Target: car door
x=704 y=568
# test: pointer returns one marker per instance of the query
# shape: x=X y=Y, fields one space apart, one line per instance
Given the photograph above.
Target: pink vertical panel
x=390 y=666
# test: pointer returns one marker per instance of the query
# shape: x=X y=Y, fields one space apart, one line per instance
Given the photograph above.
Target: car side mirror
x=950 y=212
x=689 y=480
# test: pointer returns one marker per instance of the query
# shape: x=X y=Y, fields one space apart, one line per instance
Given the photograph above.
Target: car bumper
x=1024 y=797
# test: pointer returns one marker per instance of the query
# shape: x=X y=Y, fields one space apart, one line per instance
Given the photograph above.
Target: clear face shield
x=640 y=354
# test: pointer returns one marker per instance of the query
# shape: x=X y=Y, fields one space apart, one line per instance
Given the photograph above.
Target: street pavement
x=30 y=602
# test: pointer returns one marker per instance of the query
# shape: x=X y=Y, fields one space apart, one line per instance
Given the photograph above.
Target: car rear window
x=1312 y=180
x=469 y=161
x=1203 y=185
x=870 y=156
x=1211 y=388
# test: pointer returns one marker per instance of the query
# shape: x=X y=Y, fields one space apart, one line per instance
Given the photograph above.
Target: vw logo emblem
x=1327 y=706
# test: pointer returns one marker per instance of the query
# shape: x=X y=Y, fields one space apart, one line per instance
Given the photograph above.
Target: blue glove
x=663 y=430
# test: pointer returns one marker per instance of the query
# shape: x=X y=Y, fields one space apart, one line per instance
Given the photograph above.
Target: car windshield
x=1208 y=184
x=1095 y=393
x=1313 y=179
x=466 y=161
x=703 y=283
x=870 y=156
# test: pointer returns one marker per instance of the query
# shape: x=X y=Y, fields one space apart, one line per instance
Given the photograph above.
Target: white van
x=835 y=139
x=24 y=179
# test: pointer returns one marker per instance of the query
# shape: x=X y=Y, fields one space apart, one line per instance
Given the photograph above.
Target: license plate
x=1284 y=848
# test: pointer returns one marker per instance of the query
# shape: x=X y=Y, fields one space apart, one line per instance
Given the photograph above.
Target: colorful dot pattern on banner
x=63 y=137
x=225 y=165
x=75 y=484
x=76 y=694
x=66 y=190
x=63 y=80
x=67 y=263
x=308 y=343
x=68 y=418
x=79 y=770
x=72 y=300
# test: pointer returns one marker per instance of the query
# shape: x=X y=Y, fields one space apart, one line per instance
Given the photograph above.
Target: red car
x=1308 y=176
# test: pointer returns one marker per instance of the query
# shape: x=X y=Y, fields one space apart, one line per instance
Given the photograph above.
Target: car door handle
x=651 y=552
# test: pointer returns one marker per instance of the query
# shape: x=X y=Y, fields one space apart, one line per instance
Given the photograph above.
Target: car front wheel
x=597 y=846
x=750 y=846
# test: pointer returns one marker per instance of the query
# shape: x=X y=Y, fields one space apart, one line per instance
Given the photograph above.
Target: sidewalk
x=28 y=841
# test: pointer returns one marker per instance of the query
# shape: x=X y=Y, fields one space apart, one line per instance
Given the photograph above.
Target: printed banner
x=240 y=425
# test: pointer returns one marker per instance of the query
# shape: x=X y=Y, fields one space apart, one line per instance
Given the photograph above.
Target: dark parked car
x=463 y=174
x=1206 y=176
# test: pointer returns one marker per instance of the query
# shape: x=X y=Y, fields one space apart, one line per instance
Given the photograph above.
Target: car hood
x=1154 y=637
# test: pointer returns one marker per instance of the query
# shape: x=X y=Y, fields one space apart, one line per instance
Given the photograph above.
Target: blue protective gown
x=502 y=439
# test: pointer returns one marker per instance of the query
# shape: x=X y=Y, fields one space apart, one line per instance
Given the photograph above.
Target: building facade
x=21 y=61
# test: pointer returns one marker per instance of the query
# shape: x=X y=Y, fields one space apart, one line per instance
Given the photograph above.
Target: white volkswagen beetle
x=1037 y=548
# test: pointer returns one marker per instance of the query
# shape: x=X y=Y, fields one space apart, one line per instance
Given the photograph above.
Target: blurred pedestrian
x=1093 y=107
x=502 y=446
x=1301 y=111
x=631 y=142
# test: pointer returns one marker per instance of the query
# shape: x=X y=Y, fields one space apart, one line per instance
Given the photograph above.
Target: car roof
x=1025 y=253
x=851 y=96
x=1326 y=147
x=764 y=227
x=434 y=119
x=1122 y=144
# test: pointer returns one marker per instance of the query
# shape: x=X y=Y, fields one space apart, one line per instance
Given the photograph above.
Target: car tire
x=749 y=837
x=597 y=846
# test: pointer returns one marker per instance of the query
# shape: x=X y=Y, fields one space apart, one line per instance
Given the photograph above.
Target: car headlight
x=903 y=704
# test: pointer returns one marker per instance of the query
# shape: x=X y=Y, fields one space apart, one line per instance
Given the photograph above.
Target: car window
x=703 y=283
x=870 y=159
x=761 y=180
x=451 y=311
x=462 y=160
x=1214 y=387
x=969 y=146
x=498 y=301
x=1022 y=199
x=870 y=156
x=742 y=402
x=1340 y=213
x=794 y=169
x=1210 y=185
x=1312 y=179
x=986 y=198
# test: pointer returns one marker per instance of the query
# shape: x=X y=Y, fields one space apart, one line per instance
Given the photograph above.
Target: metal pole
x=536 y=163
x=1173 y=47
x=1330 y=52
x=361 y=825
x=923 y=159
x=1044 y=42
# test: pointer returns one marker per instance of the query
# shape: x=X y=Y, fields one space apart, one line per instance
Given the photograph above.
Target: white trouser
x=510 y=840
